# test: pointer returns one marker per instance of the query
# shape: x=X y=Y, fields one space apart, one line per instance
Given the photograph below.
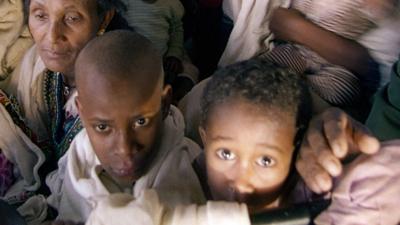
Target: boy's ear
x=78 y=106
x=202 y=133
x=166 y=100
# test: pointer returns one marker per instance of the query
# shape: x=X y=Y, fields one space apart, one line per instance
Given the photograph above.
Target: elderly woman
x=38 y=131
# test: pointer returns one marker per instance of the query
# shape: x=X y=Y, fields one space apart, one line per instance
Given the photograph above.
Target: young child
x=132 y=139
x=161 y=22
x=350 y=19
x=254 y=116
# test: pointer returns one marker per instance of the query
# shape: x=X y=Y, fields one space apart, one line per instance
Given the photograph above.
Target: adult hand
x=173 y=65
x=331 y=136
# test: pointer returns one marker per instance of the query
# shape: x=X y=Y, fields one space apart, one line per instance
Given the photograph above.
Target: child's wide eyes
x=141 y=122
x=101 y=128
x=225 y=154
x=265 y=161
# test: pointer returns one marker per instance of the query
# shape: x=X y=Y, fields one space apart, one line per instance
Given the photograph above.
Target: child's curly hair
x=261 y=83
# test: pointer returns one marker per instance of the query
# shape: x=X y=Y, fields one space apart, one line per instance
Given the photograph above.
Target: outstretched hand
x=331 y=137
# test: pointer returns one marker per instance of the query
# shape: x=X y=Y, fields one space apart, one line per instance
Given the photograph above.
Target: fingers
x=364 y=141
x=331 y=136
x=347 y=136
x=315 y=177
x=335 y=124
x=318 y=146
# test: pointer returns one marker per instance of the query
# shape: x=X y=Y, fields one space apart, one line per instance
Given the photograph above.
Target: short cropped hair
x=261 y=83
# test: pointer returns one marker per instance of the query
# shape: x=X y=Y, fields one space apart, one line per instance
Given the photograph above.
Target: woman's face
x=61 y=28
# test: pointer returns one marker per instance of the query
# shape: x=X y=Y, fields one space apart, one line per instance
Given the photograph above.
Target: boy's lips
x=124 y=171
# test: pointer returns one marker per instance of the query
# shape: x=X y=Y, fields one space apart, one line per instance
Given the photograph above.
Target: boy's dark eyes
x=101 y=127
x=225 y=154
x=141 y=122
x=265 y=161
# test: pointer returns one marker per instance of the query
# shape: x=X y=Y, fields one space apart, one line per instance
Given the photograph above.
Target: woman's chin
x=57 y=65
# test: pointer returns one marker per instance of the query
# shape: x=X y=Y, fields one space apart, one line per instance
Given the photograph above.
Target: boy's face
x=123 y=122
x=248 y=153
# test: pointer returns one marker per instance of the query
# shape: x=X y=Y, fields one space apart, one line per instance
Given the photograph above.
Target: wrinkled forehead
x=87 y=5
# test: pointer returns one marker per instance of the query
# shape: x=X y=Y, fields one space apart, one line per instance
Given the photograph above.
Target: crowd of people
x=121 y=111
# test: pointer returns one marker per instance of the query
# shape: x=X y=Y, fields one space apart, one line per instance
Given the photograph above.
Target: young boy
x=132 y=139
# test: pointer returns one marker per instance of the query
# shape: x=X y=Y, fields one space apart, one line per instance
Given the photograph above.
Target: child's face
x=123 y=121
x=248 y=153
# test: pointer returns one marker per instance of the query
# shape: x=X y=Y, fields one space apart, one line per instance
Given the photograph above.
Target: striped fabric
x=334 y=84
x=160 y=22
x=347 y=18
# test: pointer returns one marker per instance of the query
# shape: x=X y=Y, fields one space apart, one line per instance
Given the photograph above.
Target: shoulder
x=81 y=156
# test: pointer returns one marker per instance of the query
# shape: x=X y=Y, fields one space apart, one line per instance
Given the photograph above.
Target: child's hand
x=173 y=65
x=331 y=136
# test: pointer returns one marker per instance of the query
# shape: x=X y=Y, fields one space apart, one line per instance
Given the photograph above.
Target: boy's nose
x=242 y=183
x=127 y=144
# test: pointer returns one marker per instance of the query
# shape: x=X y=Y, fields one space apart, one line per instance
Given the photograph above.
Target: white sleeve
x=121 y=209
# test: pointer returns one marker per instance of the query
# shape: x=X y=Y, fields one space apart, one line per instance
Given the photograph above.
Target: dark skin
x=123 y=122
x=331 y=137
x=248 y=152
x=61 y=28
x=122 y=103
x=290 y=25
